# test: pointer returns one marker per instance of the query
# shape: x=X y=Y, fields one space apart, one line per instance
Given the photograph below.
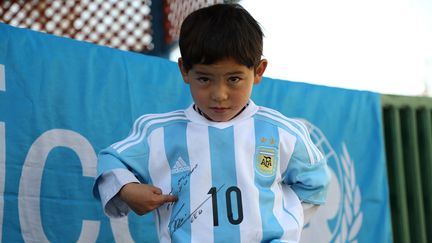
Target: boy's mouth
x=219 y=109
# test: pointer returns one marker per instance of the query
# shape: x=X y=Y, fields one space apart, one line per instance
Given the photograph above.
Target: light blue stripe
x=224 y=176
x=139 y=128
x=265 y=133
x=177 y=155
x=137 y=154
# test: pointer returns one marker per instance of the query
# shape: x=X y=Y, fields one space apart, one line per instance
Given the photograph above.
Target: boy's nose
x=219 y=92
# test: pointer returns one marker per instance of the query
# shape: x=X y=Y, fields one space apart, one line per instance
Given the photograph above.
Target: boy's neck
x=195 y=107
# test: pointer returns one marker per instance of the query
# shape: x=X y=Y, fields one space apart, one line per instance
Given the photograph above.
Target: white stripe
x=200 y=183
x=293 y=221
x=286 y=198
x=307 y=135
x=133 y=134
x=160 y=174
x=276 y=188
x=138 y=123
x=275 y=116
x=143 y=131
x=285 y=220
x=281 y=217
x=286 y=149
x=251 y=227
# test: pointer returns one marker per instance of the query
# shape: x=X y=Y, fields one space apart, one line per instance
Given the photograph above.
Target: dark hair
x=220 y=31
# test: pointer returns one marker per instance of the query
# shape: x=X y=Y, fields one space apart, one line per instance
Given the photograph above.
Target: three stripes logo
x=180 y=166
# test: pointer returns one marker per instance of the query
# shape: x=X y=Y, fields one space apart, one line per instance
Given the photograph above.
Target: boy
x=224 y=169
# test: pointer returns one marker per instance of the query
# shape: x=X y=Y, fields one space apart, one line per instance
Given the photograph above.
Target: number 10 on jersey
x=230 y=193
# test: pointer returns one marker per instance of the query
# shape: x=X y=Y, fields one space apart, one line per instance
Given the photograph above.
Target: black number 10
x=213 y=192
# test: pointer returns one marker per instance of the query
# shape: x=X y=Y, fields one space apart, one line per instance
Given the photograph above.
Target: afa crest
x=266 y=161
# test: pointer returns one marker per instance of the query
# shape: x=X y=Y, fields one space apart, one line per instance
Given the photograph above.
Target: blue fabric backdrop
x=62 y=100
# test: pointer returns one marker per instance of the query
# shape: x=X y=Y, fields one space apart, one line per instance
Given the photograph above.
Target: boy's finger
x=169 y=198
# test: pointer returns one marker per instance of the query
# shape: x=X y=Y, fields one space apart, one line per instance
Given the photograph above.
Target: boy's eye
x=234 y=80
x=203 y=80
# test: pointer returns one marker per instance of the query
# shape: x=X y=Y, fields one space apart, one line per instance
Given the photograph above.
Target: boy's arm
x=118 y=168
x=143 y=198
x=307 y=172
x=120 y=191
x=107 y=187
x=310 y=183
x=309 y=180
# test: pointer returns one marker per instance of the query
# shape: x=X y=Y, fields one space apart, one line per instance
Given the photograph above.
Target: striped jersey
x=236 y=181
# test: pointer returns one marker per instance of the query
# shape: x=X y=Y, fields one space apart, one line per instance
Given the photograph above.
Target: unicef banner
x=61 y=101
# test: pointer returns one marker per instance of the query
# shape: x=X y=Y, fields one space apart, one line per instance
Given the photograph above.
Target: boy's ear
x=183 y=70
x=259 y=72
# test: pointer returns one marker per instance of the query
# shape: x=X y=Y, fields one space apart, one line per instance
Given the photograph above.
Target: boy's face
x=222 y=89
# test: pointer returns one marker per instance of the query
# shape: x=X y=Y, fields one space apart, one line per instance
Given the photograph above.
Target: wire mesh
x=123 y=24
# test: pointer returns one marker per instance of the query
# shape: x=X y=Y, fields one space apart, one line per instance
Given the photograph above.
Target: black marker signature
x=179 y=220
x=181 y=182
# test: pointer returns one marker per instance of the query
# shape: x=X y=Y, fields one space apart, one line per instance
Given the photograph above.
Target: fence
x=408 y=138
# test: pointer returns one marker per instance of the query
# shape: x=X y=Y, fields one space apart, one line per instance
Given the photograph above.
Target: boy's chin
x=221 y=117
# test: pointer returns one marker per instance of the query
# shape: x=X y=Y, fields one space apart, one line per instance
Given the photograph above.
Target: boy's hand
x=143 y=198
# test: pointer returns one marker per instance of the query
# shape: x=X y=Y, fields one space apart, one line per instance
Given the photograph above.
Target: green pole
x=425 y=148
x=396 y=175
x=413 y=175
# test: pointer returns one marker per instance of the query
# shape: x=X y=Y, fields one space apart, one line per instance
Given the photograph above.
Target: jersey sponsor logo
x=266 y=160
x=180 y=166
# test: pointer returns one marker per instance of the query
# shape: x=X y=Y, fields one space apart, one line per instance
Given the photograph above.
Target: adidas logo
x=180 y=166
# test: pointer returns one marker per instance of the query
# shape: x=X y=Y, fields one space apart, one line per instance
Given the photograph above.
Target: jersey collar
x=195 y=116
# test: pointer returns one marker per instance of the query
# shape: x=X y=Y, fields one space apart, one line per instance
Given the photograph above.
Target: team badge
x=266 y=161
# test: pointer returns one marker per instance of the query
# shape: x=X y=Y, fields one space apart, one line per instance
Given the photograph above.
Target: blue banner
x=62 y=100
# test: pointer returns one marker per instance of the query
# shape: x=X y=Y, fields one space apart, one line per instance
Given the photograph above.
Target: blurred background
x=377 y=45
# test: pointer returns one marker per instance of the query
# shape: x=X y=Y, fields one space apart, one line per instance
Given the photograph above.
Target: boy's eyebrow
x=228 y=73
x=202 y=73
